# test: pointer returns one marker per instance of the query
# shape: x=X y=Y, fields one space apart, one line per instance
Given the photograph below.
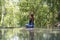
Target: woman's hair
x=31 y=14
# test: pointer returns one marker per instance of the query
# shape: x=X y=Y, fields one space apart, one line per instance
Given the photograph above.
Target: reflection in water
x=25 y=35
x=15 y=38
x=46 y=36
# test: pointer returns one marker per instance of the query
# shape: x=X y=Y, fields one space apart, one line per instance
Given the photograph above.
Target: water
x=17 y=34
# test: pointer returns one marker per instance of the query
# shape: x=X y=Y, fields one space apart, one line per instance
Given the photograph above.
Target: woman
x=31 y=21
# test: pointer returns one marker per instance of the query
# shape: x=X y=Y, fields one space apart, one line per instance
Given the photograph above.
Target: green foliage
x=45 y=12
